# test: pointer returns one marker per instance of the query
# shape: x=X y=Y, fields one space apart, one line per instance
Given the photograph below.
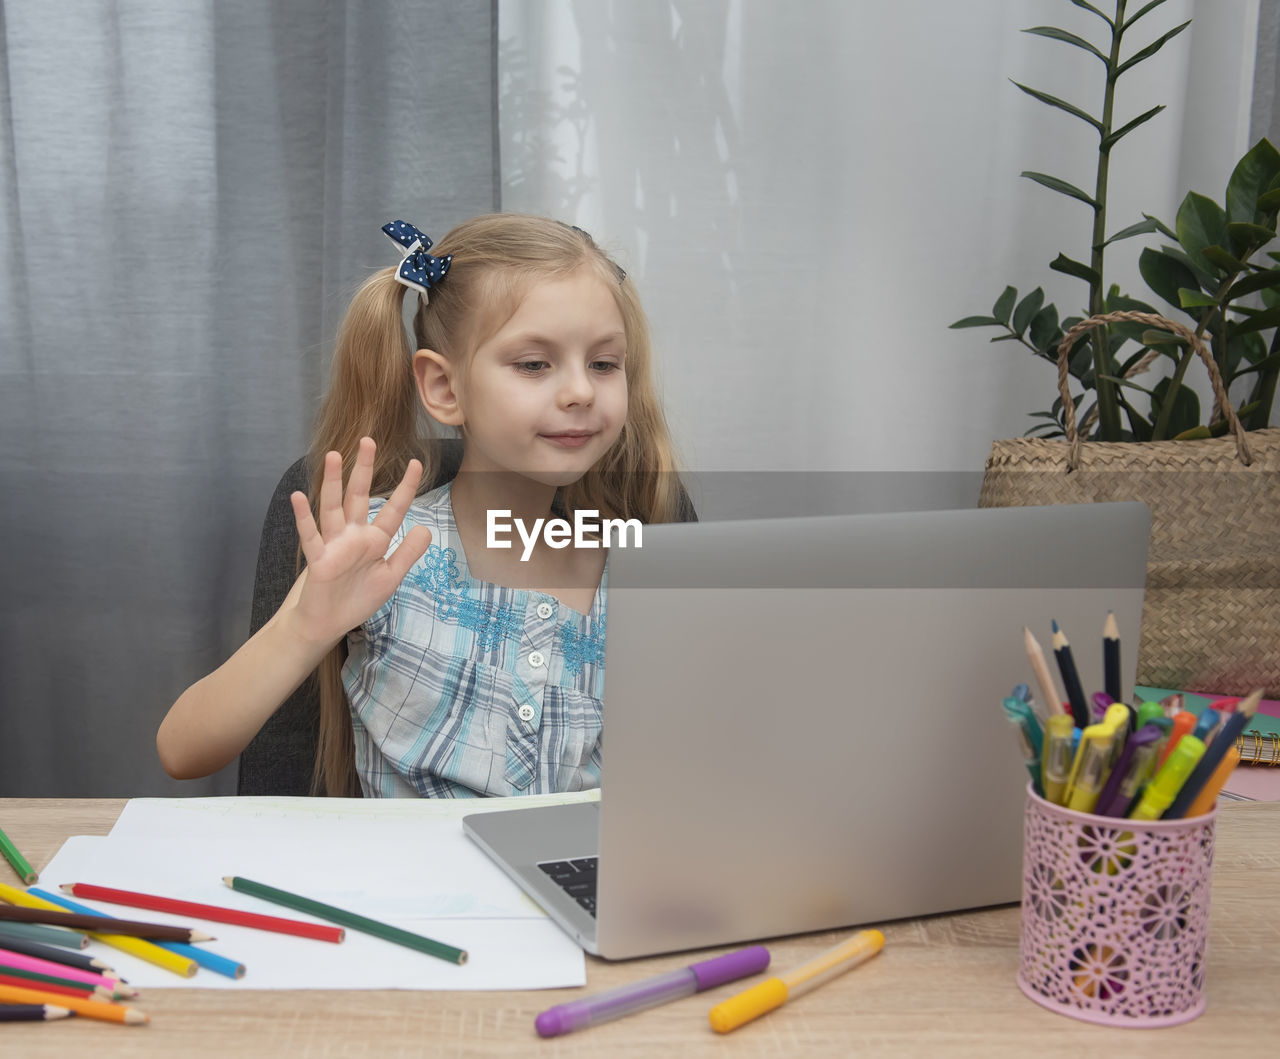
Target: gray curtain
x=189 y=192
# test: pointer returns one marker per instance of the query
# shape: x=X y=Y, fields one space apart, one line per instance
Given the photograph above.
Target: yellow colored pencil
x=144 y=950
x=93 y=1009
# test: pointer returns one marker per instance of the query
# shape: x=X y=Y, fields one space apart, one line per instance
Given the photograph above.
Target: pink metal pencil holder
x=1115 y=915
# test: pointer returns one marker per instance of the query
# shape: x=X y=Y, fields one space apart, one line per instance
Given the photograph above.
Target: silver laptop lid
x=803 y=725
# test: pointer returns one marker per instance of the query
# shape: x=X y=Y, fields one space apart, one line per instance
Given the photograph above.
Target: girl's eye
x=605 y=366
x=531 y=367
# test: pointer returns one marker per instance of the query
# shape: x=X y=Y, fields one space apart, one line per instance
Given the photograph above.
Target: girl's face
x=546 y=396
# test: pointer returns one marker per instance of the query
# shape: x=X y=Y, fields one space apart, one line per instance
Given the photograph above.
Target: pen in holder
x=1115 y=915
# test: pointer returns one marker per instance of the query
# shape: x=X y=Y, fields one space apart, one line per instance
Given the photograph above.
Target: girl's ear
x=434 y=375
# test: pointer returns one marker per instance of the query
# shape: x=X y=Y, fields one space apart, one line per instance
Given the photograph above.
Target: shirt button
x=525 y=712
x=545 y=610
x=537 y=659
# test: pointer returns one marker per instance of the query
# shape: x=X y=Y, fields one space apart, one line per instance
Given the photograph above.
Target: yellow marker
x=1055 y=757
x=774 y=992
x=144 y=950
x=1093 y=763
x=1168 y=781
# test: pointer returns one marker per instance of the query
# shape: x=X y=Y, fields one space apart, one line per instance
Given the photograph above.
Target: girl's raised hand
x=346 y=578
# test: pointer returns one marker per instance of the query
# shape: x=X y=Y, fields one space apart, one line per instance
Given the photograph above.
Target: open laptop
x=803 y=726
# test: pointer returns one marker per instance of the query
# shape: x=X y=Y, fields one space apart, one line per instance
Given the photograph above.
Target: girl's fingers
x=410 y=550
x=388 y=519
x=308 y=536
x=331 y=516
x=356 y=504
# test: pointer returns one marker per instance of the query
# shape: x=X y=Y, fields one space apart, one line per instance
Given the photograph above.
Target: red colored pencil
x=217 y=913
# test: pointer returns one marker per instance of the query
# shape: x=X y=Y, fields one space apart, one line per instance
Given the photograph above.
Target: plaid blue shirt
x=460 y=688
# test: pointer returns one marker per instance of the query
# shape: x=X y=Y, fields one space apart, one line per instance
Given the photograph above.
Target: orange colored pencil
x=93 y=1009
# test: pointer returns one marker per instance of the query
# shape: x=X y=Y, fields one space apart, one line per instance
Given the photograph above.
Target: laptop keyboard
x=577 y=878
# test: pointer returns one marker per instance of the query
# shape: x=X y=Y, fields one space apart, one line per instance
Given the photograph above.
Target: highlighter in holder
x=1115 y=915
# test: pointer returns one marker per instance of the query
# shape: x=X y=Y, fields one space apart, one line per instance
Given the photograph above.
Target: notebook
x=803 y=725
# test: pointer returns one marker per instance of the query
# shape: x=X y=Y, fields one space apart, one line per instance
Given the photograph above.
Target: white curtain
x=808 y=194
x=189 y=191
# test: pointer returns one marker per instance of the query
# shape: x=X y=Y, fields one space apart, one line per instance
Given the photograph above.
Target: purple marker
x=1132 y=769
x=626 y=999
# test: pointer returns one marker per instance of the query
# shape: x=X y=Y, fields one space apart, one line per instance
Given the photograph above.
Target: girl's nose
x=576 y=388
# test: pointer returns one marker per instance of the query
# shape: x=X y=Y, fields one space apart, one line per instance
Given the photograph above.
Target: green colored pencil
x=347 y=919
x=44 y=934
x=38 y=978
x=25 y=872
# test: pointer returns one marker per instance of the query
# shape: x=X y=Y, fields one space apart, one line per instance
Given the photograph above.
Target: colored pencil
x=1213 y=755
x=32 y=1012
x=80 y=960
x=1035 y=655
x=16 y=860
x=144 y=950
x=1070 y=678
x=53 y=984
x=21 y=961
x=203 y=957
x=216 y=913
x=348 y=919
x=42 y=935
x=94 y=1009
x=1208 y=796
x=80 y=921
x=1111 y=657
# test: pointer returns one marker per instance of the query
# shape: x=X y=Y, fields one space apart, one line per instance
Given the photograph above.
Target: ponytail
x=371 y=393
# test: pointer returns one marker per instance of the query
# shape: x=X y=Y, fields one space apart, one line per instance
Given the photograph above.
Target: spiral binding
x=1259 y=748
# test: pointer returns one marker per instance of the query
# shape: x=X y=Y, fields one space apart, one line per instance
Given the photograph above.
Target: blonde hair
x=372 y=391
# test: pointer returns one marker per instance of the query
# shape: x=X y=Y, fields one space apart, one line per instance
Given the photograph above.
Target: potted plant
x=1211 y=615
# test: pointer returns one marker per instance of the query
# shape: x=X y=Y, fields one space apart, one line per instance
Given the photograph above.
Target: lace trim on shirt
x=580 y=648
x=438 y=576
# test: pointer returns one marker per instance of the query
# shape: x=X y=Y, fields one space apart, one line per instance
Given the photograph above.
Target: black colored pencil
x=1070 y=678
x=54 y=955
x=103 y=924
x=1111 y=658
x=32 y=1012
x=1225 y=739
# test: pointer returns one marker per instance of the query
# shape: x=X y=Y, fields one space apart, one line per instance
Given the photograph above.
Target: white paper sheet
x=402 y=862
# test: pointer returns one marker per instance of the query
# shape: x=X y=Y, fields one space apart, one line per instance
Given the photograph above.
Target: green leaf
x=1027 y=309
x=1108 y=141
x=1144 y=227
x=1215 y=255
x=1185 y=413
x=1201 y=222
x=1054 y=33
x=1008 y=336
x=1161 y=227
x=1151 y=48
x=1134 y=18
x=1196 y=433
x=1004 y=305
x=1054 y=184
x=1045 y=331
x=1194 y=299
x=1269 y=201
x=1062 y=263
x=976 y=321
x=1205 y=275
x=1247 y=238
x=1266 y=364
x=1061 y=104
x=1258 y=321
x=1089 y=7
x=1165 y=274
x=1141 y=428
x=1128 y=384
x=1255 y=282
x=1249 y=181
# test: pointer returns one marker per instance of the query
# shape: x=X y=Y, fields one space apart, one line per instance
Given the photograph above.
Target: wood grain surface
x=943 y=985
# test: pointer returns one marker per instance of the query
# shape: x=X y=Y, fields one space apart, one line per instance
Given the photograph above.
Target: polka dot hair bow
x=419 y=270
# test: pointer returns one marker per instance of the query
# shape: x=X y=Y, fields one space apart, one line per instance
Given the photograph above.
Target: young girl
x=448 y=668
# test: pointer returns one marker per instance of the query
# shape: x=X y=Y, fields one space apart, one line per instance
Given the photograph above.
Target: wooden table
x=942 y=985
